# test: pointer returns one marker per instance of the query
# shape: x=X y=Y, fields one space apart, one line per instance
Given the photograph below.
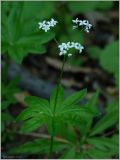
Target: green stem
x=56 y=41
x=61 y=73
x=53 y=128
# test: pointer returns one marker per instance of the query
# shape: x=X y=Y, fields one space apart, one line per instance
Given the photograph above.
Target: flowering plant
x=61 y=115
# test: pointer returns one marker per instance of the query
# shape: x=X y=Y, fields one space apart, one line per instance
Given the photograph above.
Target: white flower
x=64 y=47
x=85 y=23
x=46 y=25
x=75 y=21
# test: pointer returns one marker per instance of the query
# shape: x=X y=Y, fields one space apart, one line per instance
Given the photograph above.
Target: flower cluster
x=85 y=23
x=64 y=47
x=46 y=25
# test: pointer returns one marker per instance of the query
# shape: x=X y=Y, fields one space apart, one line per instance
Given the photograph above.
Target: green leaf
x=39 y=104
x=38 y=146
x=111 y=64
x=114 y=106
x=56 y=98
x=69 y=154
x=105 y=122
x=32 y=124
x=91 y=105
x=103 y=143
x=111 y=50
x=20 y=32
x=95 y=153
x=28 y=113
x=75 y=97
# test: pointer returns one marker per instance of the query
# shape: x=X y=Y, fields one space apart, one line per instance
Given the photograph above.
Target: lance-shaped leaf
x=38 y=103
x=75 y=97
x=107 y=121
x=32 y=124
x=69 y=154
x=38 y=146
x=103 y=143
x=91 y=105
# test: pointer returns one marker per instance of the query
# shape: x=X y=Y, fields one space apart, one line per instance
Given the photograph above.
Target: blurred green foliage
x=20 y=33
x=83 y=6
x=108 y=58
x=8 y=91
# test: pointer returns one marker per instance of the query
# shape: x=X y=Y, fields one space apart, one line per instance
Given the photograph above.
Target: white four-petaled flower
x=46 y=25
x=85 y=23
x=64 y=47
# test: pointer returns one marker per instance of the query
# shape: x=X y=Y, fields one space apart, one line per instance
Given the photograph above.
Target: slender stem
x=56 y=41
x=61 y=73
x=53 y=118
x=53 y=128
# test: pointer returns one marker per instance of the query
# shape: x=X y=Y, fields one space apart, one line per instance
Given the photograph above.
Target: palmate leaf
x=34 y=114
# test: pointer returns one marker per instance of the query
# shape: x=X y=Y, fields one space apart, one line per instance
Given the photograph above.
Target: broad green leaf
x=32 y=124
x=75 y=97
x=107 y=121
x=111 y=64
x=39 y=38
x=111 y=50
x=56 y=98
